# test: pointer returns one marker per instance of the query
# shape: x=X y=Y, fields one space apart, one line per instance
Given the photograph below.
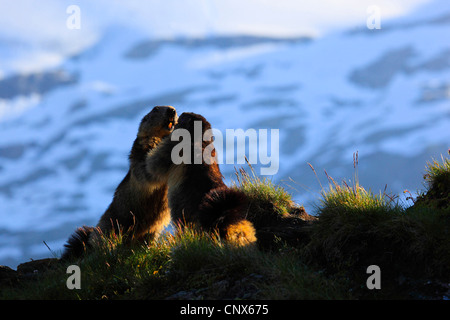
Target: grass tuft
x=357 y=228
x=268 y=201
x=437 y=178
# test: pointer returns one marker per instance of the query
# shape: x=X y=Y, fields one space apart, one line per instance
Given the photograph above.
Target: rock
x=183 y=295
x=274 y=228
x=300 y=212
x=8 y=276
x=244 y=288
x=26 y=271
x=293 y=230
x=37 y=266
x=218 y=289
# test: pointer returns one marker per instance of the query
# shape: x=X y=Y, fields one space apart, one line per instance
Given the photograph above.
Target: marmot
x=197 y=193
x=139 y=207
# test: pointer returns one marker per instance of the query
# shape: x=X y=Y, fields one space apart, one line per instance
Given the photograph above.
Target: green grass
x=207 y=268
x=268 y=202
x=108 y=271
x=438 y=174
x=349 y=226
x=189 y=264
x=437 y=177
x=355 y=228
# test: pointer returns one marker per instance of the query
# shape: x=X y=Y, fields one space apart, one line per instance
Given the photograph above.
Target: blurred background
x=335 y=78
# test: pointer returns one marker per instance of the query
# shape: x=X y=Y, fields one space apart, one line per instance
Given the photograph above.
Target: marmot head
x=202 y=147
x=188 y=119
x=158 y=123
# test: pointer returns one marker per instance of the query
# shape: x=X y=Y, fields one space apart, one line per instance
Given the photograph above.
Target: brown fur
x=197 y=193
x=139 y=207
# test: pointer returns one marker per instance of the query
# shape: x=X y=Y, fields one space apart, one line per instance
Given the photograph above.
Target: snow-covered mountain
x=65 y=132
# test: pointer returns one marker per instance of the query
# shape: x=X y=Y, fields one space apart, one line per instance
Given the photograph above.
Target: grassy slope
x=356 y=228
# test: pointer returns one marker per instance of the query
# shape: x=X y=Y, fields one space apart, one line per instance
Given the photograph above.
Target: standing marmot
x=197 y=193
x=138 y=207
